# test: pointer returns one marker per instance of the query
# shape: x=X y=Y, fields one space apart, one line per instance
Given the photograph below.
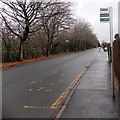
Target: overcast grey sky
x=90 y=11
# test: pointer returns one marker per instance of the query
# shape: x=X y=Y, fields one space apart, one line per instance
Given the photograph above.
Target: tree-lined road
x=34 y=89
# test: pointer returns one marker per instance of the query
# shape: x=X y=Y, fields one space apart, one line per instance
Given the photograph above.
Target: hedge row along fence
x=116 y=59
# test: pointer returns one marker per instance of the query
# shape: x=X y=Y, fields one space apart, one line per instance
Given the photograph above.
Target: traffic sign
x=104 y=9
x=104 y=19
x=104 y=15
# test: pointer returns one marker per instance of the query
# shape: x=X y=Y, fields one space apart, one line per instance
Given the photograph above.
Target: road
x=0 y=94
x=34 y=90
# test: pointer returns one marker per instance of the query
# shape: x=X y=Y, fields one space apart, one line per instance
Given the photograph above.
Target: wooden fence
x=116 y=59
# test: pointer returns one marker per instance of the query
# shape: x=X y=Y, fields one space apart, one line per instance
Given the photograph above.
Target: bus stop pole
x=111 y=49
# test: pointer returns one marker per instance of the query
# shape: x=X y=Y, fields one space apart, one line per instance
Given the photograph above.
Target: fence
x=116 y=59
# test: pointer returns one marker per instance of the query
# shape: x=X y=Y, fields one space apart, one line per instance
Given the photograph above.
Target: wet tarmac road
x=33 y=90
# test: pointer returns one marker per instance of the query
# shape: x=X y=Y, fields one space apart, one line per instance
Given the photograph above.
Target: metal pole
x=111 y=47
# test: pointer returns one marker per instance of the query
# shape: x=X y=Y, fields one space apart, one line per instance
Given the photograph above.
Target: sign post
x=106 y=15
x=111 y=45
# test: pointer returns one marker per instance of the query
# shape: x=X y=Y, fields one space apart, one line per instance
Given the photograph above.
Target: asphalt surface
x=0 y=94
x=33 y=90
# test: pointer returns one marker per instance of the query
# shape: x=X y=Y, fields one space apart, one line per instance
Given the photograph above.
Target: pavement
x=92 y=98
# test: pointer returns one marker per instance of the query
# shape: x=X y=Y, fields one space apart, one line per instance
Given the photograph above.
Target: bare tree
x=6 y=35
x=61 y=20
x=89 y=39
x=20 y=17
x=79 y=28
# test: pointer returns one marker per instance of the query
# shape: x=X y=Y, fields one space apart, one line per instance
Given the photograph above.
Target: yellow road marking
x=53 y=72
x=30 y=89
x=62 y=96
x=58 y=101
x=62 y=74
x=38 y=89
x=35 y=107
x=26 y=89
x=41 y=88
x=41 y=81
x=65 y=93
x=33 y=82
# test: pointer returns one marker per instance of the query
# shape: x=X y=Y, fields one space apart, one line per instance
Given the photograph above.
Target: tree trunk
x=7 y=56
x=20 y=57
x=47 y=52
x=47 y=48
x=8 y=48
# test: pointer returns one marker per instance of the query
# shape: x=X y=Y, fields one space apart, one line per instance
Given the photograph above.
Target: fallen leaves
x=28 y=60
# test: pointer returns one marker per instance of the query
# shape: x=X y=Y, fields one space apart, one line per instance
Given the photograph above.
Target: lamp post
x=67 y=41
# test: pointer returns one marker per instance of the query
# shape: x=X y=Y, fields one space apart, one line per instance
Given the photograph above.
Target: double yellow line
x=56 y=104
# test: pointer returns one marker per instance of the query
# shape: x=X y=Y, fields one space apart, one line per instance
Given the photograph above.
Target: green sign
x=104 y=15
x=104 y=19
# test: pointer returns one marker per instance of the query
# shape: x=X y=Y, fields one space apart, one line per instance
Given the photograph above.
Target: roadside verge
x=13 y=64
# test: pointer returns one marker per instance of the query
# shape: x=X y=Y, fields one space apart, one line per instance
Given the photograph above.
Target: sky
x=89 y=10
